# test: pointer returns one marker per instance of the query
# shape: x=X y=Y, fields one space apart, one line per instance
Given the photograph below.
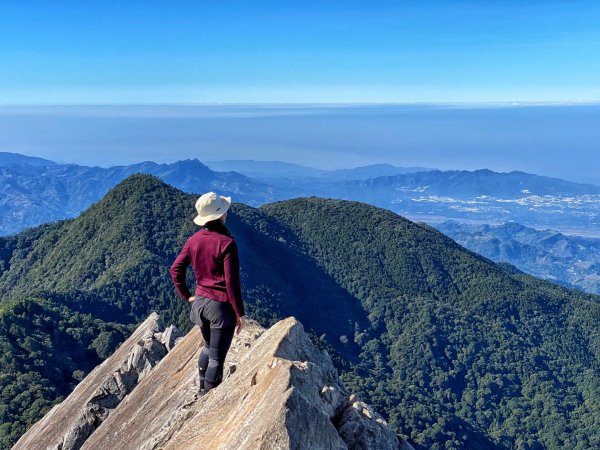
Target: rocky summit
x=279 y=391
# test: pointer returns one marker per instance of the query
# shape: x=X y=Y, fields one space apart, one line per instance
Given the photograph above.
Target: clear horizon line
x=513 y=103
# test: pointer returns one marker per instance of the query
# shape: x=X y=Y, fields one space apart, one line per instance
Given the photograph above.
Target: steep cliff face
x=280 y=391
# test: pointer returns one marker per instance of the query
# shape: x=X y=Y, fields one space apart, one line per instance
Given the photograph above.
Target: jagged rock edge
x=143 y=356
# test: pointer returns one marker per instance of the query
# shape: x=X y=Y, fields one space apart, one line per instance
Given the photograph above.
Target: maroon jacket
x=214 y=257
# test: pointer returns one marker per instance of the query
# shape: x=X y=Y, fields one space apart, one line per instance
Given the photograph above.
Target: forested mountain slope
x=569 y=260
x=457 y=351
x=459 y=340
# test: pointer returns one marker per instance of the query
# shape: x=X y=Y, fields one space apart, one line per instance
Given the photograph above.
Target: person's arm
x=178 y=272
x=231 y=270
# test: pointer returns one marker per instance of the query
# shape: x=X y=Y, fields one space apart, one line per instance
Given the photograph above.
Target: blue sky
x=74 y=52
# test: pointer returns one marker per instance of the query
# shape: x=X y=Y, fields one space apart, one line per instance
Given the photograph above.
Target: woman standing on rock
x=217 y=306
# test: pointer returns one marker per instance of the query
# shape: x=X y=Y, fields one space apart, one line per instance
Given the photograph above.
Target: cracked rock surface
x=279 y=392
x=69 y=424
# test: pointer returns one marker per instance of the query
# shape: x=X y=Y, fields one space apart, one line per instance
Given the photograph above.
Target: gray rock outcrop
x=68 y=425
x=279 y=392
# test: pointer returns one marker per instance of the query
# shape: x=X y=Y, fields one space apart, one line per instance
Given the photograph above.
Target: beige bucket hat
x=211 y=206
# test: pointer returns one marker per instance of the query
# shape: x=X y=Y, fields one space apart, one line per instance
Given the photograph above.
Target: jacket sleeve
x=178 y=272
x=231 y=270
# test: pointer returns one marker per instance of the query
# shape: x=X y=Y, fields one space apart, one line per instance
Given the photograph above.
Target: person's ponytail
x=217 y=226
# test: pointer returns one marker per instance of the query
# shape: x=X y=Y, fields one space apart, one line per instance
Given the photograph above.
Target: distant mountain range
x=481 y=196
x=277 y=172
x=35 y=193
x=15 y=159
x=457 y=351
x=569 y=260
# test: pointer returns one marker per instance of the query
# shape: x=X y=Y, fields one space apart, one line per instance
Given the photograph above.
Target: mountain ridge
x=569 y=260
x=280 y=172
x=504 y=180
x=450 y=347
x=33 y=196
x=273 y=378
x=10 y=159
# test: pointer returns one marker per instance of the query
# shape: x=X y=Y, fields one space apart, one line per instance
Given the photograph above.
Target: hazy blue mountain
x=481 y=196
x=568 y=260
x=435 y=196
x=264 y=169
x=371 y=171
x=457 y=352
x=32 y=194
x=483 y=182
x=279 y=173
x=9 y=159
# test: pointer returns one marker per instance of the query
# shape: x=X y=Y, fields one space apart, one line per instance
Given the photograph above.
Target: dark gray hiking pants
x=217 y=323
